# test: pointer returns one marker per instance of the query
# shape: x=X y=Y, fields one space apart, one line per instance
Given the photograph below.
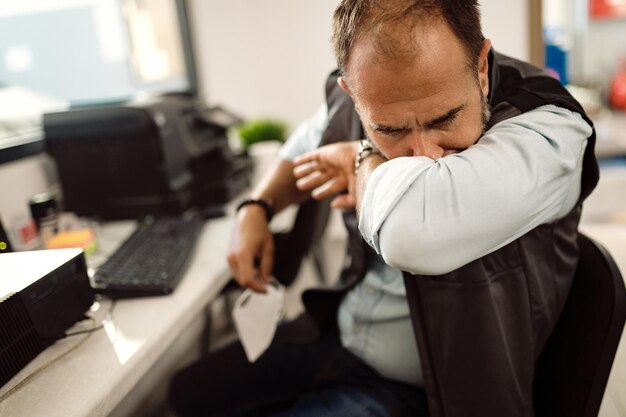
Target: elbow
x=419 y=255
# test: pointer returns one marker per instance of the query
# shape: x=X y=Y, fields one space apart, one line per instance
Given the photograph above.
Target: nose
x=422 y=144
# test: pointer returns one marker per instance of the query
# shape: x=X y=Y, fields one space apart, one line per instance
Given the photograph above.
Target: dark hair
x=353 y=18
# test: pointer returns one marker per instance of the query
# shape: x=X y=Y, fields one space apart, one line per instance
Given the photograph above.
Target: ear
x=483 y=67
x=344 y=86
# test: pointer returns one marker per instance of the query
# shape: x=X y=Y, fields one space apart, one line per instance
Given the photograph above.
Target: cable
x=43 y=367
x=108 y=317
x=94 y=329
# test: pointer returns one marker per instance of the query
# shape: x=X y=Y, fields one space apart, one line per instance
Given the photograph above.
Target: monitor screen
x=91 y=51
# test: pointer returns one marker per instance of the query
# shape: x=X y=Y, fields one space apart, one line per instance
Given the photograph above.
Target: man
x=468 y=189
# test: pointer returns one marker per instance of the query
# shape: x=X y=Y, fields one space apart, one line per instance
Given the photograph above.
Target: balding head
x=393 y=25
x=417 y=86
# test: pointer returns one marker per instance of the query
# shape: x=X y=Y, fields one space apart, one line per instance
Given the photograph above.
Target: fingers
x=301 y=170
x=245 y=272
x=255 y=284
x=344 y=201
x=234 y=266
x=307 y=157
x=309 y=175
x=267 y=260
x=323 y=183
x=329 y=188
x=313 y=180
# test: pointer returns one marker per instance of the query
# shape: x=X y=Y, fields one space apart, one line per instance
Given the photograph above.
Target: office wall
x=506 y=23
x=270 y=58
x=264 y=58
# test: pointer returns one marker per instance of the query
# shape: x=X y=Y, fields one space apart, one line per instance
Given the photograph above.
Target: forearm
x=430 y=217
x=278 y=186
x=363 y=174
x=251 y=251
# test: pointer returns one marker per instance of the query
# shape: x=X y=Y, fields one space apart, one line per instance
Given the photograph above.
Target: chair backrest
x=291 y=247
x=574 y=367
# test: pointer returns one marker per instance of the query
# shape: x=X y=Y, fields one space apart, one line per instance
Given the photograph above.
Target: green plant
x=260 y=130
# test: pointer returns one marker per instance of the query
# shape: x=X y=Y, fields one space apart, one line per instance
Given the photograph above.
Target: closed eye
x=447 y=118
x=392 y=131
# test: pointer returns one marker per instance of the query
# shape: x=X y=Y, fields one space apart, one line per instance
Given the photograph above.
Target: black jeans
x=317 y=379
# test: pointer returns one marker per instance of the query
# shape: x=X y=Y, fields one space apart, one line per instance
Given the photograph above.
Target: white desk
x=94 y=378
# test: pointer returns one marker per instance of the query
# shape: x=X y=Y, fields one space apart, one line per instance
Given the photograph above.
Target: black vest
x=480 y=328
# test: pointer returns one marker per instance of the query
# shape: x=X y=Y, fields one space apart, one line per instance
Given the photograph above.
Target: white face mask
x=256 y=318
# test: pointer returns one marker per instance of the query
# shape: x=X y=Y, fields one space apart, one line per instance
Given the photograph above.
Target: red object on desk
x=602 y=9
x=617 y=95
x=28 y=232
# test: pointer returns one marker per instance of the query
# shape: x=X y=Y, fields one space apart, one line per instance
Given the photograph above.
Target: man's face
x=429 y=103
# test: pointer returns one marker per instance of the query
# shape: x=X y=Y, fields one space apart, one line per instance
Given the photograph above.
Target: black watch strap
x=267 y=206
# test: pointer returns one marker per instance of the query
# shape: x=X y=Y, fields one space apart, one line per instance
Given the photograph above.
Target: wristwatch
x=365 y=149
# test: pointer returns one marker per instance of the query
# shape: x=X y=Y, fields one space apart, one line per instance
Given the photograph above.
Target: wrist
x=264 y=204
x=365 y=149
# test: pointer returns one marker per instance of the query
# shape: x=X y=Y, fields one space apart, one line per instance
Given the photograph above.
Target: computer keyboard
x=152 y=260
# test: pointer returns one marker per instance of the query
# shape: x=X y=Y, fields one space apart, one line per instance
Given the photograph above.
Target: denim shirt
x=374 y=324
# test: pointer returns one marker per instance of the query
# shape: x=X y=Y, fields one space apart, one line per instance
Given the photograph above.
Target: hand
x=328 y=171
x=251 y=252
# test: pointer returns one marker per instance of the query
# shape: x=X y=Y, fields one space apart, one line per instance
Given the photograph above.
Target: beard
x=485 y=110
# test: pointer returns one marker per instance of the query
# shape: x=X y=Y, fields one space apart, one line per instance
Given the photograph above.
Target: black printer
x=155 y=157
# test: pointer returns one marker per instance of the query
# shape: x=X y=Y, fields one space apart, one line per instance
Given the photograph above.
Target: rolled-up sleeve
x=433 y=216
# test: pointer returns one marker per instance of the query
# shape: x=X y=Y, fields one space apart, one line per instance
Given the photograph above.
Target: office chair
x=291 y=247
x=574 y=367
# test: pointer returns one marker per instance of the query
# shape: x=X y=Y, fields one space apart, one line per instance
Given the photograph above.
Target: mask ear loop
x=243 y=299
x=280 y=288
x=274 y=282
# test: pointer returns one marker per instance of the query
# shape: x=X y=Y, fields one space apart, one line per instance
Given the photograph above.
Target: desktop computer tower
x=156 y=157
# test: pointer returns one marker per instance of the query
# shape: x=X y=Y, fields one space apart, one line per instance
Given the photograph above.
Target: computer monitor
x=68 y=54
x=91 y=51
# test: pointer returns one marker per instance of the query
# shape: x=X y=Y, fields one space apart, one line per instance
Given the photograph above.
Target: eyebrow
x=451 y=114
x=389 y=129
x=446 y=117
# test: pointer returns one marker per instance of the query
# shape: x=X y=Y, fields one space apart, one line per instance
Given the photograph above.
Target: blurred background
x=269 y=60
x=265 y=60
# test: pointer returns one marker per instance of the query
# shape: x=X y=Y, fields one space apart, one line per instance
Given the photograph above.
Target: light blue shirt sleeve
x=431 y=217
x=307 y=136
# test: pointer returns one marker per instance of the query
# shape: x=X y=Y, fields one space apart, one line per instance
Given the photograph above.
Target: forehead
x=428 y=68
